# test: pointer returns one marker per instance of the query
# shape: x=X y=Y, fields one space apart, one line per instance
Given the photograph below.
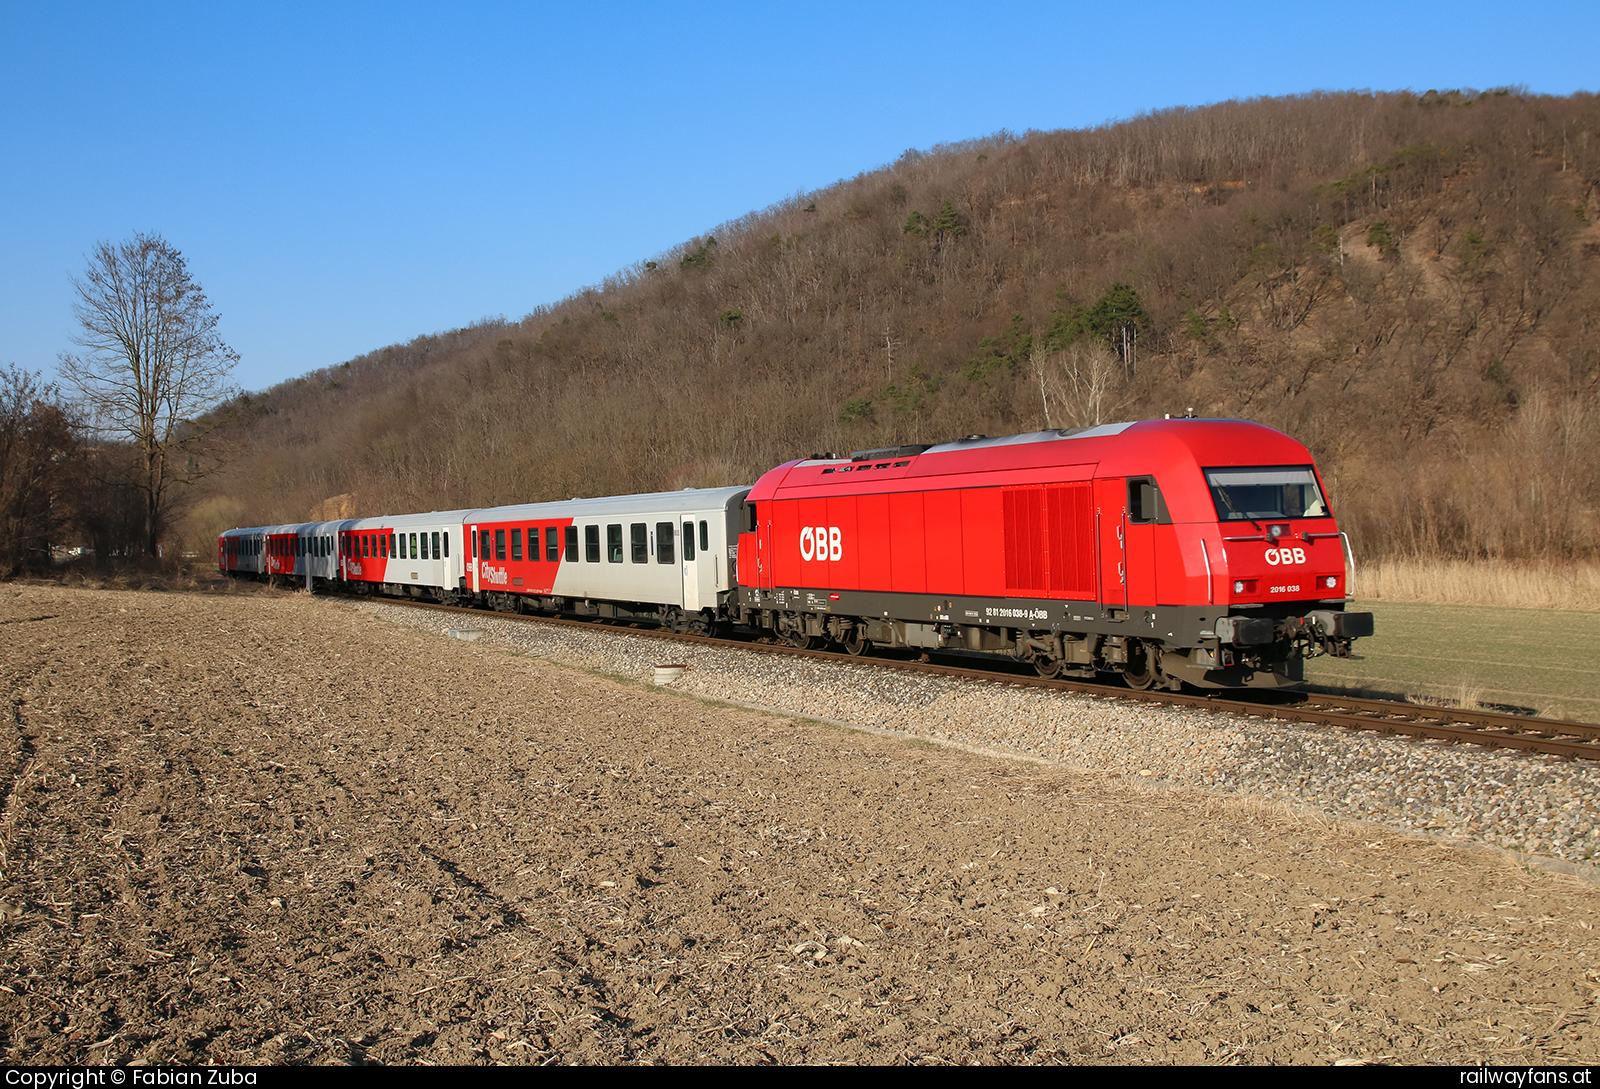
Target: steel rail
x=1490 y=729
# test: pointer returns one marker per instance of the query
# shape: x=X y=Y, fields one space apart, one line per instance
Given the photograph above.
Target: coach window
x=705 y=537
x=516 y=543
x=614 y=544
x=552 y=544
x=640 y=535
x=446 y=545
x=484 y=537
x=393 y=541
x=572 y=544
x=664 y=550
x=436 y=546
x=688 y=541
x=591 y=544
x=413 y=546
x=425 y=546
x=499 y=544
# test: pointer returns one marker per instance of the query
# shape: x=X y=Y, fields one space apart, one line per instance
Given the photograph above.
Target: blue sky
x=342 y=177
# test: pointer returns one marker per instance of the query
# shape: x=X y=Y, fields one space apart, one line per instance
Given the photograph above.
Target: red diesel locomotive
x=1170 y=552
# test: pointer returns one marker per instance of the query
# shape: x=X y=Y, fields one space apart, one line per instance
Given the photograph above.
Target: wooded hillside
x=1409 y=284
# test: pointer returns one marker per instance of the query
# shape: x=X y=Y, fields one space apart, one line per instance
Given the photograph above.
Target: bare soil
x=256 y=827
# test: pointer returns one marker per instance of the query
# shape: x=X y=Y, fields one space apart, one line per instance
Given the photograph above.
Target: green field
x=1528 y=659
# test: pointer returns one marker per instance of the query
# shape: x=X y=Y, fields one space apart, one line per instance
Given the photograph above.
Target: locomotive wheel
x=1046 y=667
x=856 y=644
x=1140 y=672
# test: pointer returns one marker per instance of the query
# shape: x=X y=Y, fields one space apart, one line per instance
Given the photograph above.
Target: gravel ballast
x=1538 y=805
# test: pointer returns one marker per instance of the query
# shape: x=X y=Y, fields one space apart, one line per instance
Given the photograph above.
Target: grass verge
x=1536 y=660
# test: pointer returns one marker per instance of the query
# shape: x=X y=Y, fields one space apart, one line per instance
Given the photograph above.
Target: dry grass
x=1508 y=583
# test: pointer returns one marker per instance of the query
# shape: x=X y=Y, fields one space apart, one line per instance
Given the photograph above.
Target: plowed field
x=260 y=827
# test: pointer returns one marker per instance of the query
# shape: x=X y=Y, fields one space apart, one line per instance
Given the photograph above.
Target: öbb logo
x=1286 y=556
x=820 y=543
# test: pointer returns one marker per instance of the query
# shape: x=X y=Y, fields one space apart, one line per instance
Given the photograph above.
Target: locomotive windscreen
x=1259 y=494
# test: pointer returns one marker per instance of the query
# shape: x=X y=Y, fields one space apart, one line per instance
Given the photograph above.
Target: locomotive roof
x=1174 y=450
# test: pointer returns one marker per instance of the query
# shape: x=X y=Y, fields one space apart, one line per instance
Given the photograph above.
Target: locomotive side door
x=1145 y=509
x=764 y=553
x=1110 y=516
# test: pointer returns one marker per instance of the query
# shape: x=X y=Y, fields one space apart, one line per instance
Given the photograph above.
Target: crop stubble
x=254 y=827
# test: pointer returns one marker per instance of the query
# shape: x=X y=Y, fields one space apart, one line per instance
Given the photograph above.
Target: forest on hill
x=1410 y=284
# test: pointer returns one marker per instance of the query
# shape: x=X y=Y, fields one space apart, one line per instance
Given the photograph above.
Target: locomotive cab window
x=639 y=535
x=1266 y=492
x=614 y=544
x=1145 y=504
x=664 y=550
x=591 y=544
x=749 y=518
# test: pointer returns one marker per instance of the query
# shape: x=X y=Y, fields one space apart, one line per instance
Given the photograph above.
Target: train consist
x=1170 y=552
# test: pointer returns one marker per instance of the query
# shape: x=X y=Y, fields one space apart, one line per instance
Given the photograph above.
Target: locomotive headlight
x=1332 y=582
x=1238 y=587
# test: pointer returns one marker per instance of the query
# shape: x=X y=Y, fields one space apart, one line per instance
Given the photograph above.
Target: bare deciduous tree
x=1079 y=384
x=152 y=361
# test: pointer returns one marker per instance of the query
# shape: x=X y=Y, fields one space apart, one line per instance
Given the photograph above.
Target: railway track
x=1490 y=729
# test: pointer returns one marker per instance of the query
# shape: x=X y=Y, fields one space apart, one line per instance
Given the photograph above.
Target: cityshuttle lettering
x=496 y=575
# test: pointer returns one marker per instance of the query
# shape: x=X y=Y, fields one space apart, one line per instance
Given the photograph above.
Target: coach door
x=1111 y=516
x=689 y=561
x=470 y=557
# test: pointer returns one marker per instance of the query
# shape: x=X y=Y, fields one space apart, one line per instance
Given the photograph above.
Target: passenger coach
x=666 y=555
